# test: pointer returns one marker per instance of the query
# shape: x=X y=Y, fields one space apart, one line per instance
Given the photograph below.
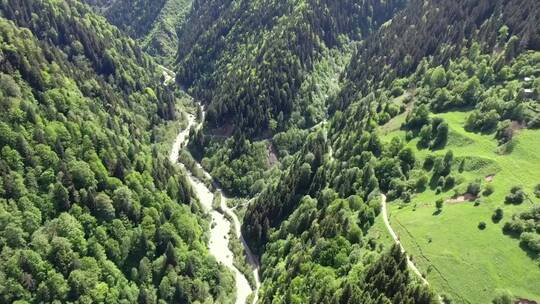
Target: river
x=219 y=233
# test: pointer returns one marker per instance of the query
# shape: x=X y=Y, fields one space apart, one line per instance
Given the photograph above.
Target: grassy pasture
x=459 y=259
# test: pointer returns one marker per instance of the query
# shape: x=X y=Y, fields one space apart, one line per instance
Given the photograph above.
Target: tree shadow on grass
x=512 y=234
x=530 y=253
x=437 y=212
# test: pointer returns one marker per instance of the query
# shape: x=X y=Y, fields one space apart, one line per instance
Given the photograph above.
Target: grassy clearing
x=459 y=259
x=379 y=233
x=395 y=123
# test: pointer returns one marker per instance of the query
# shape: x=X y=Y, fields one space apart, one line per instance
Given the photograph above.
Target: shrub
x=497 y=215
x=474 y=188
x=441 y=137
x=482 y=225
x=537 y=191
x=483 y=122
x=502 y=298
x=441 y=182
x=397 y=91
x=438 y=77
x=421 y=183
x=488 y=190
x=505 y=133
x=531 y=240
x=406 y=196
x=516 y=196
x=515 y=227
x=409 y=135
x=450 y=182
x=439 y=204
x=418 y=117
x=507 y=148
x=429 y=162
x=461 y=166
x=446 y=298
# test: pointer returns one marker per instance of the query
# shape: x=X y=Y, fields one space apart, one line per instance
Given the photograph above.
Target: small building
x=529 y=94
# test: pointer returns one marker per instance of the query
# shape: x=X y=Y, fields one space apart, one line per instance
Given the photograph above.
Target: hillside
x=282 y=151
x=438 y=29
x=153 y=23
x=262 y=69
x=446 y=127
x=91 y=210
x=489 y=151
x=247 y=60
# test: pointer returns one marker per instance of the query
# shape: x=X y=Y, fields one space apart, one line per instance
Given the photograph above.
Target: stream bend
x=219 y=233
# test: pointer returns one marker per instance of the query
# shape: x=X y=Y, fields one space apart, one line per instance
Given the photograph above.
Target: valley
x=223 y=220
x=269 y=152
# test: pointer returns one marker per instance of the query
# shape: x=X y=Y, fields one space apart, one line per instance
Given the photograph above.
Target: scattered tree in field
x=441 y=137
x=91 y=198
x=504 y=133
x=418 y=118
x=449 y=182
x=497 y=215
x=429 y=162
x=531 y=240
x=462 y=166
x=482 y=225
x=516 y=196
x=488 y=190
x=438 y=77
x=425 y=136
x=439 y=204
x=474 y=188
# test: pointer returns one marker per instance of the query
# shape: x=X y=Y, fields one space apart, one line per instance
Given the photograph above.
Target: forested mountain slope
x=436 y=111
x=90 y=210
x=438 y=107
x=135 y=17
x=438 y=29
x=247 y=60
x=154 y=23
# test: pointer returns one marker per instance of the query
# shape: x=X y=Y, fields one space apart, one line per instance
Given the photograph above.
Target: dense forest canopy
x=438 y=29
x=132 y=17
x=449 y=56
x=369 y=151
x=89 y=209
x=153 y=23
x=248 y=59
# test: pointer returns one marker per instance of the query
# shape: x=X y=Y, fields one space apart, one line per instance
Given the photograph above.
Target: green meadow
x=457 y=257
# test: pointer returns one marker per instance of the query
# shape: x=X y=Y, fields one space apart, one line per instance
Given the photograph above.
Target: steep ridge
x=428 y=82
x=438 y=29
x=248 y=59
x=153 y=23
x=135 y=17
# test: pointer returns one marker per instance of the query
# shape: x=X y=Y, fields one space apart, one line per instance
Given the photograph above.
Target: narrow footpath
x=410 y=263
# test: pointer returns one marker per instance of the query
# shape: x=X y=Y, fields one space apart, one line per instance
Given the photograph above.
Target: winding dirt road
x=396 y=240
